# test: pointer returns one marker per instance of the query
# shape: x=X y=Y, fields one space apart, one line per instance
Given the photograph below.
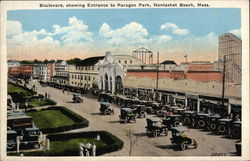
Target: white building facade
x=112 y=70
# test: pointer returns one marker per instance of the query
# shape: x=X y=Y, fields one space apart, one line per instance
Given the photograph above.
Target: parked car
x=139 y=110
x=127 y=115
x=172 y=121
x=19 y=121
x=155 y=127
x=201 y=120
x=31 y=138
x=180 y=139
x=188 y=118
x=11 y=139
x=77 y=98
x=213 y=122
x=235 y=129
x=105 y=108
x=223 y=126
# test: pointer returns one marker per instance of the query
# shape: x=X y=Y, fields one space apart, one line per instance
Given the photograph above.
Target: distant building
x=112 y=70
x=85 y=75
x=200 y=66
x=13 y=63
x=40 y=72
x=61 y=73
x=230 y=48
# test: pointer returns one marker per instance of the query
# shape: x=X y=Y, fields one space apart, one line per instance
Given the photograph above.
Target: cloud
x=75 y=32
x=132 y=34
x=13 y=28
x=175 y=28
x=236 y=32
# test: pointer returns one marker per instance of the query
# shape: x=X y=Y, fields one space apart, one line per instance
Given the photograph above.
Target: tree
x=45 y=61
x=75 y=61
x=132 y=140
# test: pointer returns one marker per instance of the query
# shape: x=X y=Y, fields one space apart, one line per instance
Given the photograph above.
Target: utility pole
x=157 y=75
x=223 y=81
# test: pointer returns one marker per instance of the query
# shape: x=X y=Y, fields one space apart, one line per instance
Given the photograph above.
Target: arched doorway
x=106 y=83
x=118 y=85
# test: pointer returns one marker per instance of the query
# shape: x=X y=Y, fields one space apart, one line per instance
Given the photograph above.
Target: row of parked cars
x=174 y=119
x=22 y=131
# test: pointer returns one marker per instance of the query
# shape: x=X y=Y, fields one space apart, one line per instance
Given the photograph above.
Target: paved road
x=144 y=145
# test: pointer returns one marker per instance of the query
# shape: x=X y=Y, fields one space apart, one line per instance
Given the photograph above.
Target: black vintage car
x=181 y=140
x=77 y=98
x=213 y=122
x=238 y=148
x=188 y=118
x=172 y=121
x=235 y=129
x=139 y=110
x=11 y=139
x=103 y=97
x=223 y=126
x=127 y=115
x=155 y=127
x=31 y=138
x=105 y=108
x=201 y=120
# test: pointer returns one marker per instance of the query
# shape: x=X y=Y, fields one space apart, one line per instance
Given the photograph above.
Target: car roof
x=180 y=128
x=154 y=119
x=11 y=132
x=225 y=120
x=126 y=109
x=190 y=112
x=104 y=103
x=31 y=128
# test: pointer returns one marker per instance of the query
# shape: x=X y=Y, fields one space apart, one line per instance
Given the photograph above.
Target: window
x=130 y=61
x=119 y=61
x=89 y=78
x=81 y=77
x=125 y=61
x=85 y=78
x=93 y=68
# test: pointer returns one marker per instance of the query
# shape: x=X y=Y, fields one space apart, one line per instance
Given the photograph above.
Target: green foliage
x=68 y=144
x=13 y=88
x=57 y=119
x=50 y=119
x=74 y=61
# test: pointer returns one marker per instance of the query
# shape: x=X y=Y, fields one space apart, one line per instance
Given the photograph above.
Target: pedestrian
x=48 y=95
x=63 y=91
x=45 y=94
x=93 y=149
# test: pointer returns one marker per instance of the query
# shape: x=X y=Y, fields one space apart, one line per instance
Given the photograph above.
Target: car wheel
x=201 y=123
x=195 y=144
x=166 y=132
x=236 y=132
x=125 y=120
x=183 y=146
x=213 y=126
x=155 y=133
x=105 y=112
x=10 y=144
x=177 y=123
x=36 y=146
x=186 y=120
x=222 y=129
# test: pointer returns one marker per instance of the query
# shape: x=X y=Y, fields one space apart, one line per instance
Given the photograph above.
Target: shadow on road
x=141 y=134
x=114 y=122
x=96 y=113
x=166 y=147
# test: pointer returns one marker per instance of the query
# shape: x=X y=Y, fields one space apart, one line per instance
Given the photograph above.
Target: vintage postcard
x=140 y=80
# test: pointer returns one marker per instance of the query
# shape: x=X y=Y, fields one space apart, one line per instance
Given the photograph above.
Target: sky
x=82 y=33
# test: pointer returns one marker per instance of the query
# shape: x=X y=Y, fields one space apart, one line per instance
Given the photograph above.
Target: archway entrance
x=106 y=83
x=118 y=85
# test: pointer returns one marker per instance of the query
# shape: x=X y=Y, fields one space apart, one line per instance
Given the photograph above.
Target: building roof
x=169 y=62
x=90 y=61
